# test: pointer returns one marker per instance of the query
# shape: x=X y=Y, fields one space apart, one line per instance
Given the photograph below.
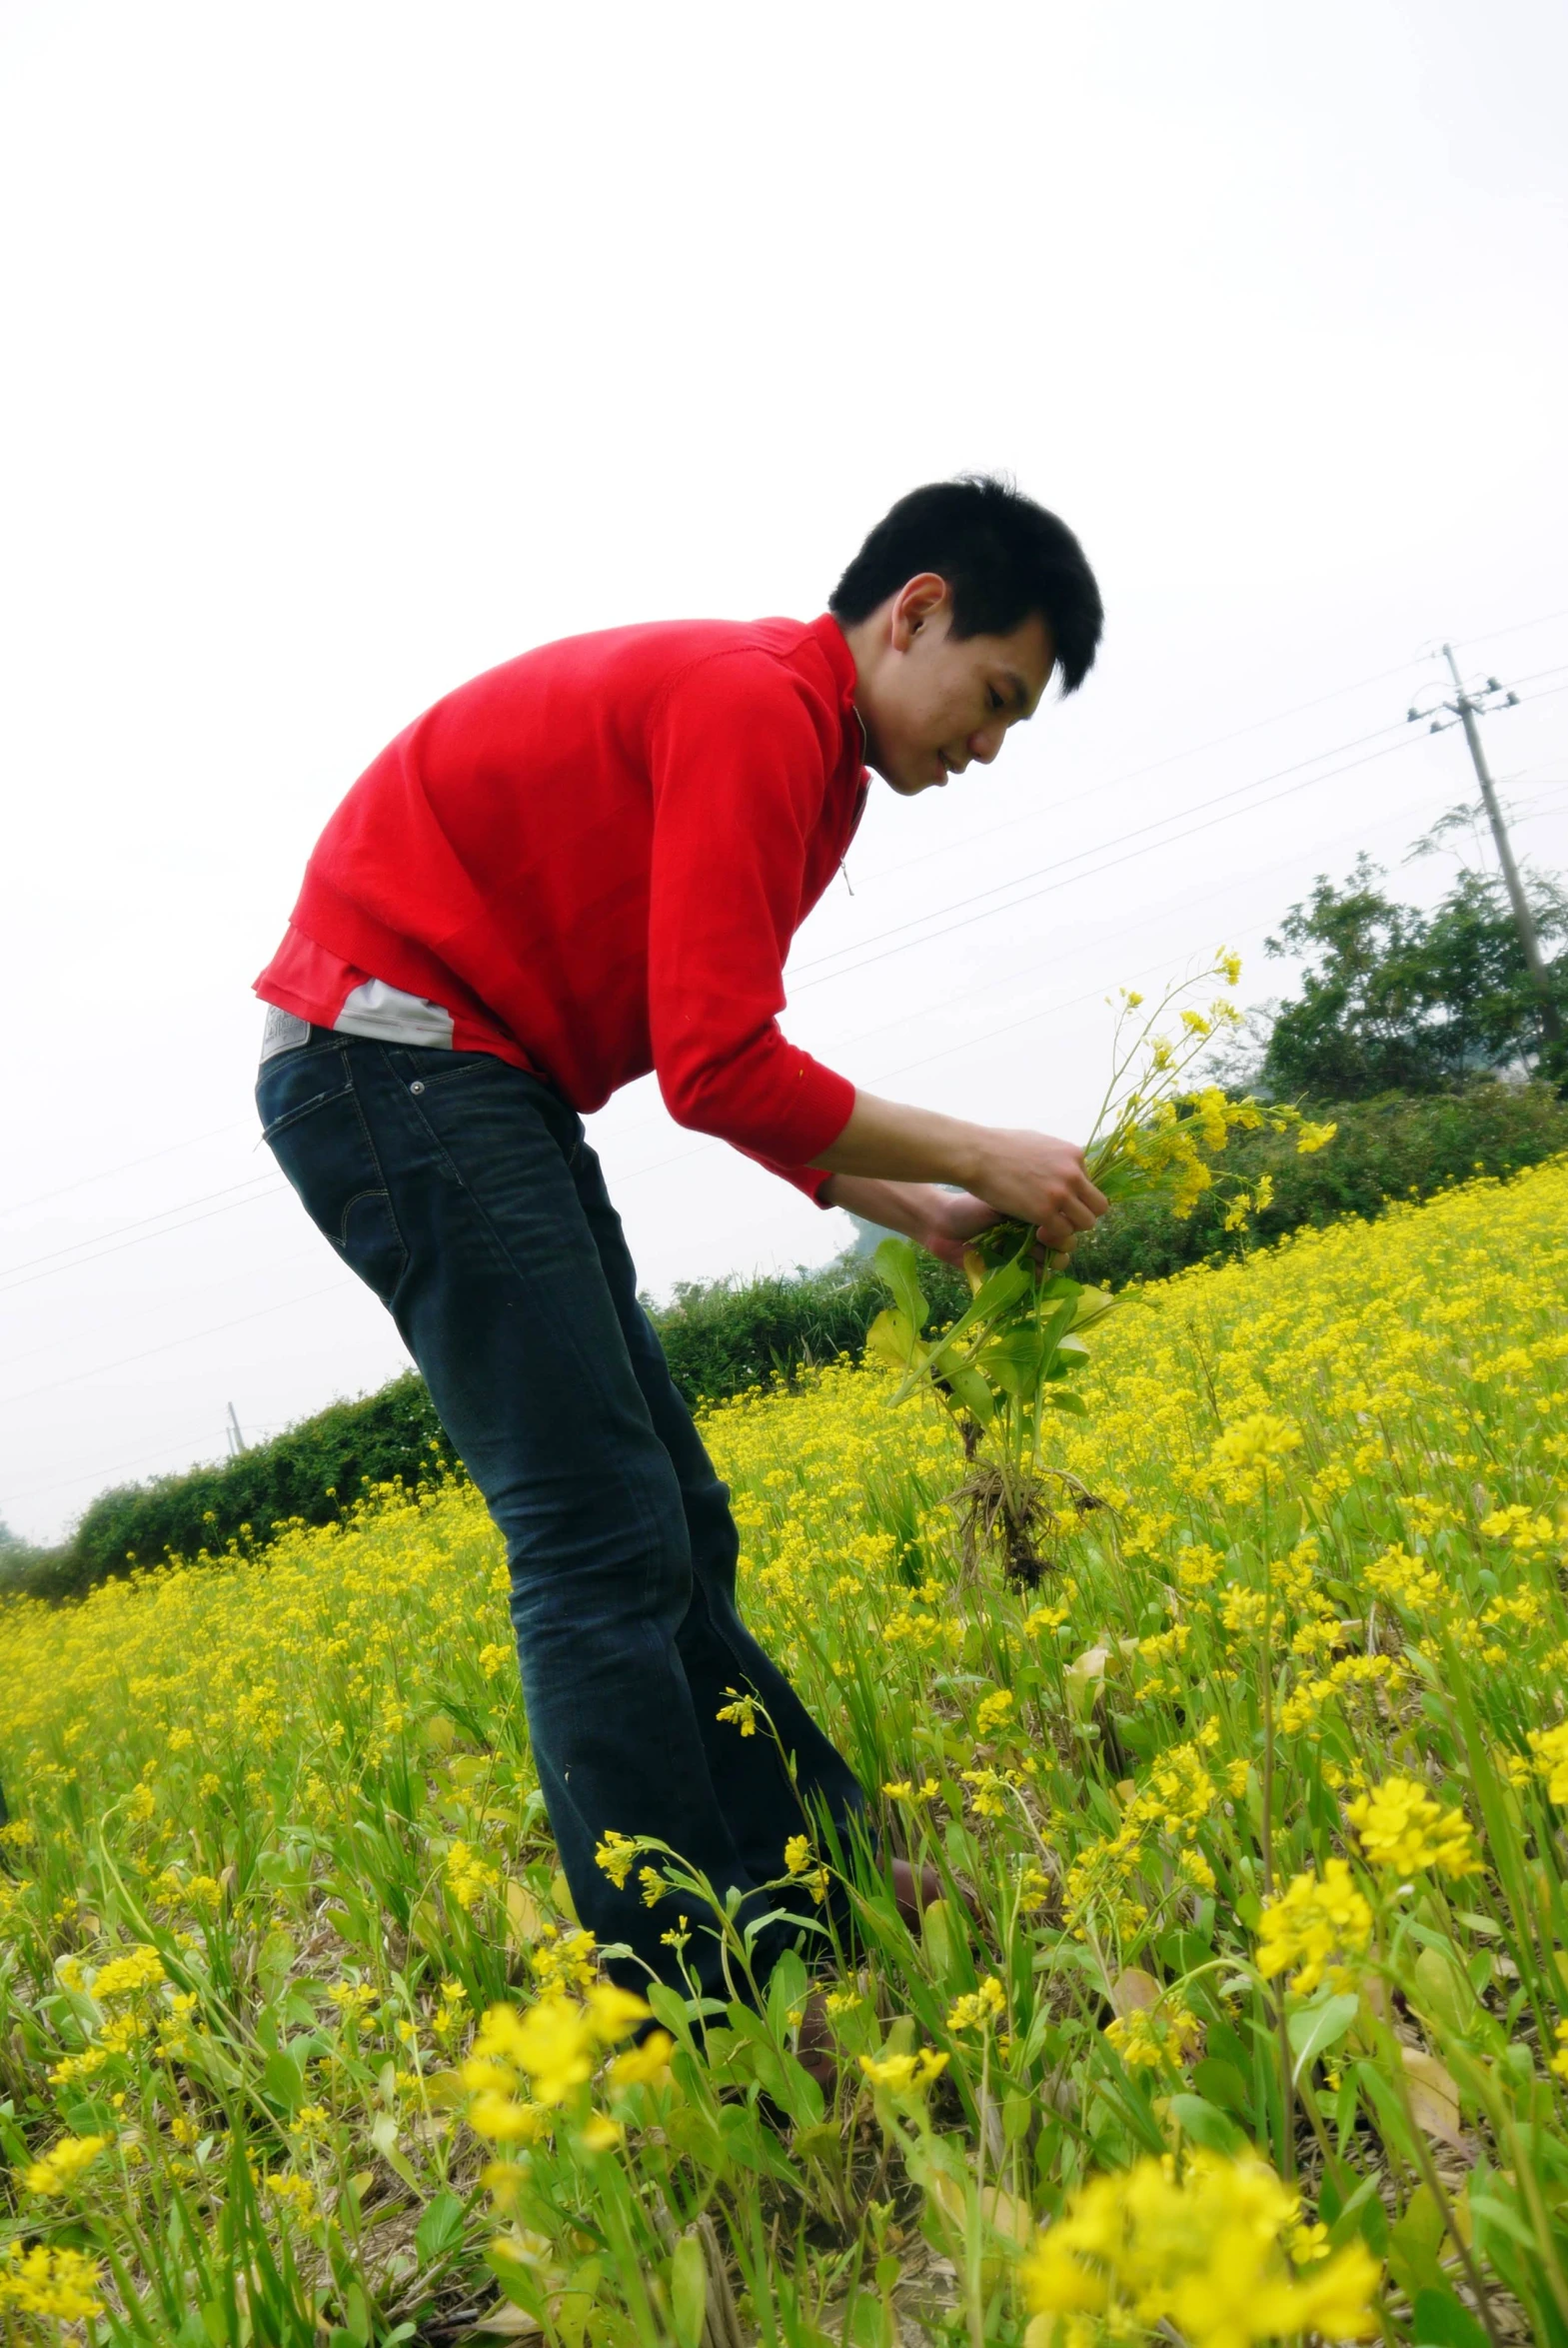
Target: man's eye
x=993 y=699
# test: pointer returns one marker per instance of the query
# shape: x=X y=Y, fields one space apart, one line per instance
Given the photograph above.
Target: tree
x=1394 y=998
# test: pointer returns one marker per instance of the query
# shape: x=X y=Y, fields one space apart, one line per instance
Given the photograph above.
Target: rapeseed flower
x=1403 y=1830
x=1208 y=2250
x=904 y=2074
x=59 y=2168
x=59 y=2285
x=1314 y=1920
x=978 y=2008
x=1550 y=1748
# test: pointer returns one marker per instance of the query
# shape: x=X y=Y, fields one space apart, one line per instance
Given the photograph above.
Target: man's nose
x=985 y=745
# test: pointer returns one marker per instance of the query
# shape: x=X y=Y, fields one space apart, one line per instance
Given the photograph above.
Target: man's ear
x=918 y=606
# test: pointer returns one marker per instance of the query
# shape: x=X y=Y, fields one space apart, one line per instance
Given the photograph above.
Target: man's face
x=931 y=702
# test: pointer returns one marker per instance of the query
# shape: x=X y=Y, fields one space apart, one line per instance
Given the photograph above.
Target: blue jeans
x=465 y=1193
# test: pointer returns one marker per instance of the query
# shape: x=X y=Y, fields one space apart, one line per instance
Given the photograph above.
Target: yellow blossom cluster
x=1206 y=2252
x=1317 y=1919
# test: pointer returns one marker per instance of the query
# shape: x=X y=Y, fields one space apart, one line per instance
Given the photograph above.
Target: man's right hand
x=1030 y=1176
x=1036 y=1178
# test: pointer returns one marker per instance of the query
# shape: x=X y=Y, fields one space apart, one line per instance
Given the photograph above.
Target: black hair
x=1003 y=556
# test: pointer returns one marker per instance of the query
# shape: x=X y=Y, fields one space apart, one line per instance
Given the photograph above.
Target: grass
x=1249 y=1822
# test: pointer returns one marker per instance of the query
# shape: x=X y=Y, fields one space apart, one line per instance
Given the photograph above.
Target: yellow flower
x=127 y=1976
x=614 y=2013
x=1260 y=1440
x=59 y=2285
x=565 y=1960
x=644 y=2064
x=1402 y=1829
x=1158 y=2040
x=615 y=1854
x=1550 y=1748
x=501 y=2119
x=63 y=2163
x=993 y=1711
x=904 y=2074
x=552 y=2043
x=798 y=1854
x=1312 y=1922
x=1208 y=2253
x=742 y=1710
x=600 y=2133
x=294 y=2193
x=467 y=1876
x=978 y=2008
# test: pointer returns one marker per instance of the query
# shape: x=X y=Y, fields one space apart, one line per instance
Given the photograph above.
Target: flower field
x=1243 y=2014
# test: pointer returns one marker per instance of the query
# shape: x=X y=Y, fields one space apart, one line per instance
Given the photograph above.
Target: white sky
x=350 y=348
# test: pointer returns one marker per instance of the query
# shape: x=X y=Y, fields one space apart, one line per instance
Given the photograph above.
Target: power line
x=1155 y=824
x=1048 y=1009
x=127 y=1165
x=1516 y=628
x=1110 y=864
x=21 y=1276
x=1173 y=757
x=192 y=1337
x=1115 y=840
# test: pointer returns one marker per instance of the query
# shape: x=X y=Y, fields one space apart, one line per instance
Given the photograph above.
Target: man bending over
x=587 y=864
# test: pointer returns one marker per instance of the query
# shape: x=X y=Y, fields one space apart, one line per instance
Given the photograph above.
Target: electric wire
x=127 y=1165
x=1045 y=1010
x=1049 y=888
x=12 y=1275
x=192 y=1337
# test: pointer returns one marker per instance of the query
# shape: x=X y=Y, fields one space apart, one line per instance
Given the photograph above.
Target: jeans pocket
x=318 y=1135
x=371 y=1243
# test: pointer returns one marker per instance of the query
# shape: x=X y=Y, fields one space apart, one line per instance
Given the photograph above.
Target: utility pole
x=1464 y=709
x=236 y=1440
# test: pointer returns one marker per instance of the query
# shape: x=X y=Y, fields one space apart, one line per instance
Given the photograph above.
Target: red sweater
x=595 y=858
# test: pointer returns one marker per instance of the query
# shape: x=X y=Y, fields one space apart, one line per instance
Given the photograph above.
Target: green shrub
x=722 y=1336
x=1394 y=1148
x=312 y=1470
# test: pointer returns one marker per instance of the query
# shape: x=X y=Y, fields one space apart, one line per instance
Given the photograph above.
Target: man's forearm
x=911 y=1207
x=1031 y=1177
x=891 y=1142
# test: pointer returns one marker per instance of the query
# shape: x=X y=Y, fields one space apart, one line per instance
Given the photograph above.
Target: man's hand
x=1036 y=1178
x=888 y=1149
x=954 y=1217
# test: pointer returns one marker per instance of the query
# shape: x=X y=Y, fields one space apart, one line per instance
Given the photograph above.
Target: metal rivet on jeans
x=417 y=1085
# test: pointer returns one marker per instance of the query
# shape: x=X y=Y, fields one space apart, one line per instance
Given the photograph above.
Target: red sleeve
x=739 y=766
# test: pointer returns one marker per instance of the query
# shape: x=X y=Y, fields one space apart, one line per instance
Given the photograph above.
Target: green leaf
x=1221 y=2083
x=282 y=2082
x=688 y=2291
x=892 y=1340
x=1014 y=1362
x=439 y=2229
x=899 y=1265
x=384 y=2135
x=1441 y=2322
x=1207 y=2126
x=970 y=1389
x=1319 y=2026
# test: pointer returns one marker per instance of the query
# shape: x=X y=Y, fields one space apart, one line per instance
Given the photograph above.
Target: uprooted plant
x=1011 y=1358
